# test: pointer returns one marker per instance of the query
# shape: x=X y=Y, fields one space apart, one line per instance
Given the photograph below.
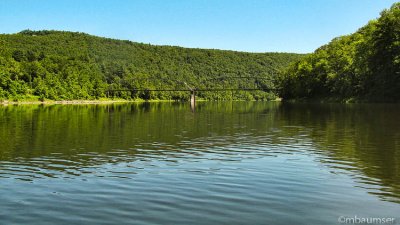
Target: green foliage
x=18 y=55
x=364 y=65
x=66 y=65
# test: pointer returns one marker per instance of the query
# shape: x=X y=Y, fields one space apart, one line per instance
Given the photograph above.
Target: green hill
x=68 y=65
x=364 y=66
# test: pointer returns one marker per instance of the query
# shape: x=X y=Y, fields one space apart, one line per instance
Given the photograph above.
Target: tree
x=18 y=55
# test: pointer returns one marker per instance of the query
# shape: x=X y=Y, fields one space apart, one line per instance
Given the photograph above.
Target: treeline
x=68 y=65
x=364 y=66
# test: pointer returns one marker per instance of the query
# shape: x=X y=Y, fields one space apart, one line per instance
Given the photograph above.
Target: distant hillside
x=364 y=66
x=67 y=65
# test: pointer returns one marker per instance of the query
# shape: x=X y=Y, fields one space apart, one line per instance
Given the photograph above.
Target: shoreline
x=96 y=102
x=75 y=102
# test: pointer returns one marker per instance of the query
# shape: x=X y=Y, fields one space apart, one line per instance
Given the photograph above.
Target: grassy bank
x=73 y=102
x=34 y=101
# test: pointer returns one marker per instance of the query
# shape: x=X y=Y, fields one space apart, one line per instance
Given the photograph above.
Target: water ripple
x=261 y=164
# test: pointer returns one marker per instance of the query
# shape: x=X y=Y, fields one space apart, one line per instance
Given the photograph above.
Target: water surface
x=227 y=163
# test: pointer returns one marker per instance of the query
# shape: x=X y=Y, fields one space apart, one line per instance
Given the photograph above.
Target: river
x=225 y=163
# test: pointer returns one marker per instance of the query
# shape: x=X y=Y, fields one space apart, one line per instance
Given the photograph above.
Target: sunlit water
x=226 y=163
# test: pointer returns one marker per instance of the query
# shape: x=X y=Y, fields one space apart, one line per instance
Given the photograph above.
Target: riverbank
x=96 y=102
x=75 y=102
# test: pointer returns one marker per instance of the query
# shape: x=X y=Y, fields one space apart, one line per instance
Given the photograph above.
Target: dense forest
x=363 y=66
x=60 y=65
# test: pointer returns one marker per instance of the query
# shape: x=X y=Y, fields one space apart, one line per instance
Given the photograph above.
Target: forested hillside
x=364 y=66
x=67 y=65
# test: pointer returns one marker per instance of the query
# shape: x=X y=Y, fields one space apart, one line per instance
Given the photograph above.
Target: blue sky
x=244 y=25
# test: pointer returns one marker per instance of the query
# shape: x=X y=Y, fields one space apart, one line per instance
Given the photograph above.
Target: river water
x=225 y=163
